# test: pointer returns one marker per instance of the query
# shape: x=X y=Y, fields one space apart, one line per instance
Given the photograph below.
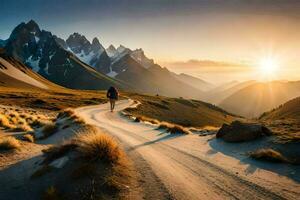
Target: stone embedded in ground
x=241 y=132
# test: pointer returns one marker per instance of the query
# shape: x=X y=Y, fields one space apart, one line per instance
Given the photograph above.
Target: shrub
x=4 y=122
x=68 y=112
x=24 y=128
x=173 y=128
x=8 y=143
x=268 y=155
x=28 y=137
x=146 y=119
x=97 y=146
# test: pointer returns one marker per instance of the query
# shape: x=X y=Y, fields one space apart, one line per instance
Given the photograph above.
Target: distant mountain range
x=80 y=64
x=256 y=98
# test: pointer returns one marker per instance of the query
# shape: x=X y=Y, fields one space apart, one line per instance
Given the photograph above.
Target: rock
x=241 y=132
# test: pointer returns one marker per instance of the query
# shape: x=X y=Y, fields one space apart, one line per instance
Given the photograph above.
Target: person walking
x=113 y=95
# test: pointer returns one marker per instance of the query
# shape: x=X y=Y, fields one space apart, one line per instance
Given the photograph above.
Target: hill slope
x=15 y=74
x=180 y=111
x=194 y=82
x=289 y=110
x=257 y=98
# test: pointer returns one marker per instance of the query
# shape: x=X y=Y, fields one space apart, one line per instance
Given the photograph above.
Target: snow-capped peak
x=111 y=51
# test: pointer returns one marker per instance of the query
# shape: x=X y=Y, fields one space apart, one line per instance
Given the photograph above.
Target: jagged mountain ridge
x=42 y=52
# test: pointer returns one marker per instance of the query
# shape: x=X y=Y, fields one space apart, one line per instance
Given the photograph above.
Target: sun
x=268 y=65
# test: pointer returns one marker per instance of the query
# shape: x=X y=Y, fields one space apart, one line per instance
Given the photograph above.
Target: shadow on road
x=240 y=150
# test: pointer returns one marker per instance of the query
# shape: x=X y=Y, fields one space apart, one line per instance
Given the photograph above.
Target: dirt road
x=176 y=167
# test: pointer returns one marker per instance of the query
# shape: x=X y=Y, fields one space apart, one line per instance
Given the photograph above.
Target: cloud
x=207 y=66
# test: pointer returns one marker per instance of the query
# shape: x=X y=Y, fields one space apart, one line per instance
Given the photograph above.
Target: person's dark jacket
x=112 y=93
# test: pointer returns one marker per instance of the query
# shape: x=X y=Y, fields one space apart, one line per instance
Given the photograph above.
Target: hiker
x=112 y=94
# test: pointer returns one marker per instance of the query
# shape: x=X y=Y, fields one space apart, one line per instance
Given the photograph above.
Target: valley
x=170 y=136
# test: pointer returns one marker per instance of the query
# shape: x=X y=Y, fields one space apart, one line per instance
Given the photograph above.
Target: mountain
x=139 y=56
x=2 y=43
x=15 y=74
x=80 y=64
x=45 y=54
x=92 y=54
x=288 y=110
x=194 y=82
x=218 y=94
x=257 y=98
x=154 y=80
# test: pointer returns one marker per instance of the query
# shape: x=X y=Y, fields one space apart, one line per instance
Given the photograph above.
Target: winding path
x=172 y=165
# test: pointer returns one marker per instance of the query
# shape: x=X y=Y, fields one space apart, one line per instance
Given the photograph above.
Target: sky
x=235 y=36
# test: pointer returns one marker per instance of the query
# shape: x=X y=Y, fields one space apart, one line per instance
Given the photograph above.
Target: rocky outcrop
x=241 y=132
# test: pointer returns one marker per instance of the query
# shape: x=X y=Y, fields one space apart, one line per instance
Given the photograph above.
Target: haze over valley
x=149 y=99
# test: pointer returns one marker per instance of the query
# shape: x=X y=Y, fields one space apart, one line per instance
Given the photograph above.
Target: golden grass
x=70 y=115
x=21 y=122
x=23 y=128
x=5 y=123
x=68 y=112
x=49 y=129
x=94 y=145
x=173 y=128
x=146 y=119
x=269 y=155
x=288 y=137
x=9 y=143
x=77 y=120
x=28 y=137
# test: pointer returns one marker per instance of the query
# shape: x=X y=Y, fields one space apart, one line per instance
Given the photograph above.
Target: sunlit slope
x=289 y=110
x=14 y=74
x=181 y=111
x=218 y=94
x=255 y=99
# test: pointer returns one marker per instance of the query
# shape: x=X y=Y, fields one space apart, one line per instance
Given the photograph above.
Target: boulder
x=241 y=132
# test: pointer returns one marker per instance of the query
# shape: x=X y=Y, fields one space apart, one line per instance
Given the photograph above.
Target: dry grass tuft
x=52 y=194
x=49 y=129
x=146 y=119
x=28 y=137
x=269 y=155
x=173 y=128
x=5 y=123
x=22 y=127
x=68 y=112
x=97 y=146
x=288 y=138
x=77 y=120
x=9 y=143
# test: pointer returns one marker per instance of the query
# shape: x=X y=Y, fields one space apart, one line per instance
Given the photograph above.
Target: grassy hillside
x=289 y=110
x=257 y=98
x=180 y=111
